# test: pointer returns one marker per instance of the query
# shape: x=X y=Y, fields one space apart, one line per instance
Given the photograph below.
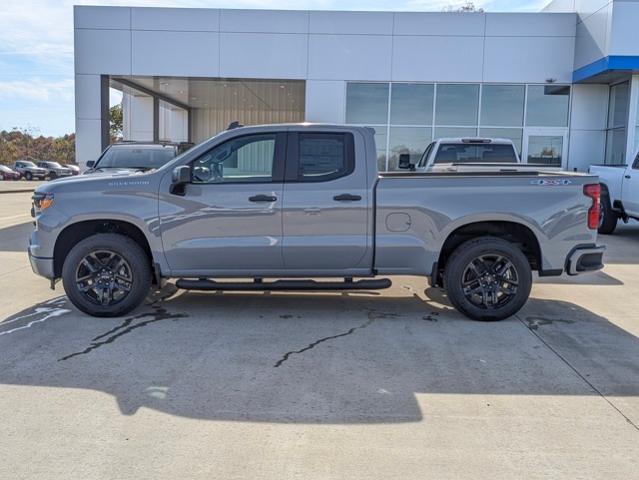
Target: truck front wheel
x=488 y=279
x=106 y=275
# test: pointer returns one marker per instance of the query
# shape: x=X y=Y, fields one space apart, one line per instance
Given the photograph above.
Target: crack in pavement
x=372 y=316
x=159 y=313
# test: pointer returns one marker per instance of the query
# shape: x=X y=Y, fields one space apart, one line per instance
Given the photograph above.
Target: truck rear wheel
x=106 y=275
x=488 y=279
x=608 y=218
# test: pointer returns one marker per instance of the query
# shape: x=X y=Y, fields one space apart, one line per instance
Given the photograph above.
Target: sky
x=36 y=48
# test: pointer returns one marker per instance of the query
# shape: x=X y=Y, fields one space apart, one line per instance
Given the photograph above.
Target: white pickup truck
x=619 y=193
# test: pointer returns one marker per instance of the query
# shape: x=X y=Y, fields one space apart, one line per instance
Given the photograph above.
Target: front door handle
x=347 y=197
x=263 y=198
x=627 y=176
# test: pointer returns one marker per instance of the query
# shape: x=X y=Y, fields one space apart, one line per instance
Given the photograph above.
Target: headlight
x=42 y=201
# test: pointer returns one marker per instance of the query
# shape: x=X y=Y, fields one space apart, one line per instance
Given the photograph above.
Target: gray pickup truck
x=282 y=206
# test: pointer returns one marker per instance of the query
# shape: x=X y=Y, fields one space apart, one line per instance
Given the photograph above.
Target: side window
x=243 y=159
x=635 y=166
x=324 y=156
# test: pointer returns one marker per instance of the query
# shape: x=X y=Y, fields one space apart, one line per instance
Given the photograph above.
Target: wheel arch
x=78 y=231
x=512 y=231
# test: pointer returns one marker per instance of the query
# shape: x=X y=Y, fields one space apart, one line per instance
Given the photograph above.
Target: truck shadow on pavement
x=323 y=358
x=16 y=237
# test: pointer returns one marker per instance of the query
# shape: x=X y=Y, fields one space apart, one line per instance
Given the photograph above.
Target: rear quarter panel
x=430 y=208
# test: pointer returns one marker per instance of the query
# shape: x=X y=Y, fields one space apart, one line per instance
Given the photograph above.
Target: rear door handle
x=347 y=197
x=627 y=176
x=263 y=198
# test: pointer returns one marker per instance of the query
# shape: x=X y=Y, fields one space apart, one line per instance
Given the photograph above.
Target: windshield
x=136 y=157
x=464 y=153
x=4 y=169
x=28 y=164
x=53 y=164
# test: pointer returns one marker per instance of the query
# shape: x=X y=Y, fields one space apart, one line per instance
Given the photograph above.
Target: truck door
x=327 y=214
x=229 y=218
x=630 y=189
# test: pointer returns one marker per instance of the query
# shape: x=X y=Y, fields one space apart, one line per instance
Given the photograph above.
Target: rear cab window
x=468 y=153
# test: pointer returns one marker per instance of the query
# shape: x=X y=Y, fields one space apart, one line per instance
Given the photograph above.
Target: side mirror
x=90 y=163
x=179 y=178
x=404 y=162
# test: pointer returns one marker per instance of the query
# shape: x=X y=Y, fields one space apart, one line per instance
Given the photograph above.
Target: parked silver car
x=54 y=169
x=29 y=171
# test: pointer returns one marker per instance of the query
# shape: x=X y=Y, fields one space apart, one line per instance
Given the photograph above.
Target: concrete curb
x=24 y=190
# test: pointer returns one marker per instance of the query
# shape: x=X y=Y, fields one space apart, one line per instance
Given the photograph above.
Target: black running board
x=283 y=285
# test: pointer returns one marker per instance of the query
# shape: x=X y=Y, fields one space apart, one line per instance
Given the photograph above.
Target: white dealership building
x=563 y=83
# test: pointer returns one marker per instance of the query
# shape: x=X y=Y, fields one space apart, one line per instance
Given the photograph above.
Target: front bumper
x=585 y=259
x=41 y=266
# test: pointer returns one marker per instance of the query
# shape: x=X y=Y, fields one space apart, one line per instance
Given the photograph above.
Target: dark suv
x=135 y=156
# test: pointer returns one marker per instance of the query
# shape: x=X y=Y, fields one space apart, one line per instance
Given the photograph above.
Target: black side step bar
x=309 y=285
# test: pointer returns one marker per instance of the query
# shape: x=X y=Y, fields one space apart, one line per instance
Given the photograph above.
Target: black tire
x=608 y=217
x=458 y=279
x=138 y=270
x=28 y=176
x=52 y=176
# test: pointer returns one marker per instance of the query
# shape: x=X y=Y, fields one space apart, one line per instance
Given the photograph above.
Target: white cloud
x=36 y=89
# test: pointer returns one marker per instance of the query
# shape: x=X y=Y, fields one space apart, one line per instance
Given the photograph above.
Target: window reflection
x=545 y=150
x=547 y=106
x=409 y=140
x=454 y=132
x=502 y=105
x=412 y=104
x=457 y=104
x=367 y=103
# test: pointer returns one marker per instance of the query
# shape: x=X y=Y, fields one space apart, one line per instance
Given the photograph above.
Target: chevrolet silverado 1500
x=285 y=205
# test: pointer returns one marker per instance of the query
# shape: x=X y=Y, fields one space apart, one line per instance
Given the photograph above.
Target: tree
x=115 y=122
x=469 y=6
x=21 y=144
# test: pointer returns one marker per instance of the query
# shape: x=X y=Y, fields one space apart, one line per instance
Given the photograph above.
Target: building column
x=88 y=118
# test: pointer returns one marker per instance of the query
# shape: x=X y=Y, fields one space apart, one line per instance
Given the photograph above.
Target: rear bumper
x=585 y=259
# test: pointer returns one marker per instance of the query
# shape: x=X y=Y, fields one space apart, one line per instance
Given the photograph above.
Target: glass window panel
x=616 y=146
x=457 y=104
x=243 y=159
x=502 y=105
x=367 y=103
x=513 y=134
x=411 y=104
x=618 y=105
x=411 y=140
x=547 y=106
x=545 y=149
x=453 y=132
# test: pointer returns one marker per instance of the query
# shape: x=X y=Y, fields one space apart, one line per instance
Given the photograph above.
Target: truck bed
x=416 y=212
